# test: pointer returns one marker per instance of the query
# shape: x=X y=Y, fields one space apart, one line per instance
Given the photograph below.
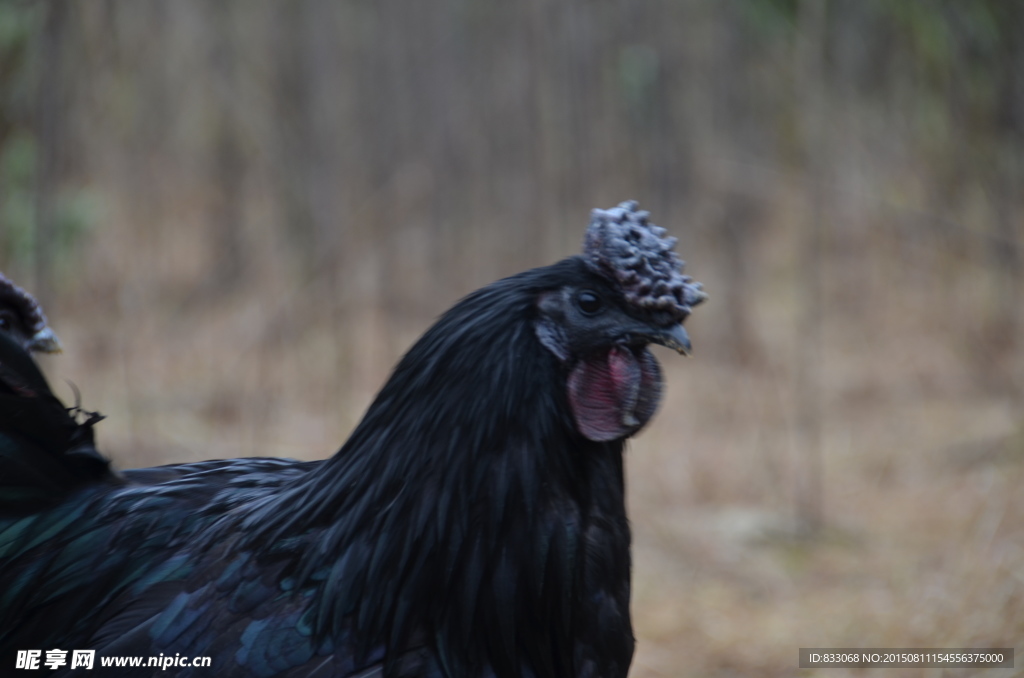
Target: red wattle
x=613 y=394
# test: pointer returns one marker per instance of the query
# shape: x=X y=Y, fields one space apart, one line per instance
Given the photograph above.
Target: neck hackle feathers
x=623 y=246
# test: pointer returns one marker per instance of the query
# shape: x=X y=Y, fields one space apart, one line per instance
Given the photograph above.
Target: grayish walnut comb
x=622 y=245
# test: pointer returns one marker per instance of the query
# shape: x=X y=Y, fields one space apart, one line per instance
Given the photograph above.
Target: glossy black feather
x=46 y=450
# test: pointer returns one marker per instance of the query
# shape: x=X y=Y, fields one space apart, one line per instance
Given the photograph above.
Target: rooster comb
x=624 y=247
x=23 y=303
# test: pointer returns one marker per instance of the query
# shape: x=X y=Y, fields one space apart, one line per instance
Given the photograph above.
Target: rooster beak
x=674 y=337
x=45 y=341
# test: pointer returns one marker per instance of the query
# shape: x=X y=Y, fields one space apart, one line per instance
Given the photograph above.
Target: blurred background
x=238 y=215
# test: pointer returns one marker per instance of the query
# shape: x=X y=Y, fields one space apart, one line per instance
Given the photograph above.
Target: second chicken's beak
x=45 y=341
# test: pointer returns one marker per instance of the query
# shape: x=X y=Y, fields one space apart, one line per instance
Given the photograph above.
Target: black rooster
x=45 y=452
x=473 y=524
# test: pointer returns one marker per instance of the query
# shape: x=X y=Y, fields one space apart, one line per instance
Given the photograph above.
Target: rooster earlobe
x=553 y=338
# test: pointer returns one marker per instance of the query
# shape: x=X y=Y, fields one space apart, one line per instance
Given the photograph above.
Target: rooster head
x=600 y=329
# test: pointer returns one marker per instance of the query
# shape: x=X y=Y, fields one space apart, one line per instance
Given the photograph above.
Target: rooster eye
x=589 y=302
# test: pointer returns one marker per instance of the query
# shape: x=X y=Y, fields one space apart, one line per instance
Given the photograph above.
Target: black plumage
x=472 y=525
